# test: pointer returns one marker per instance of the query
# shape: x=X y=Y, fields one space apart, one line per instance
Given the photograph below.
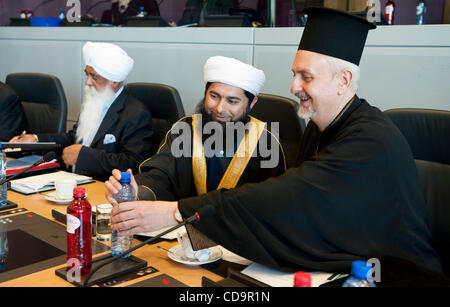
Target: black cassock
x=169 y=178
x=355 y=194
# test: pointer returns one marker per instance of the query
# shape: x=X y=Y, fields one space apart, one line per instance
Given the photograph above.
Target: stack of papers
x=45 y=182
x=17 y=165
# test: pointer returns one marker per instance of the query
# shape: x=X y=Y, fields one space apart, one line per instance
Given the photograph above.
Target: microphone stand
x=118 y=256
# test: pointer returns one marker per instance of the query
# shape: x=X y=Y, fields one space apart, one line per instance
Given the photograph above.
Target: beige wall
x=402 y=66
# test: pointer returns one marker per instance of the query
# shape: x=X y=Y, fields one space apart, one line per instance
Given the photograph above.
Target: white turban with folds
x=233 y=72
x=108 y=60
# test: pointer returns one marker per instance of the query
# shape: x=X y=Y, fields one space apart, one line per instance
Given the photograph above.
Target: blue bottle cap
x=360 y=269
x=125 y=176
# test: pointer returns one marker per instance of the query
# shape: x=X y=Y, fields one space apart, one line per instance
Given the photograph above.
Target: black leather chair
x=273 y=108
x=164 y=103
x=435 y=179
x=426 y=131
x=427 y=134
x=43 y=100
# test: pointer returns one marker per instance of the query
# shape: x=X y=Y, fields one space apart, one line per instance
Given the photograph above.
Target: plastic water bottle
x=127 y=193
x=142 y=12
x=421 y=9
x=3 y=187
x=79 y=232
x=61 y=14
x=359 y=277
x=302 y=280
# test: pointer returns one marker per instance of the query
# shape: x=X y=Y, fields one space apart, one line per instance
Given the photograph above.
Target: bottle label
x=389 y=9
x=420 y=9
x=73 y=223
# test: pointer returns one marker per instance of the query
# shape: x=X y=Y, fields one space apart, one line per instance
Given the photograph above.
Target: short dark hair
x=249 y=95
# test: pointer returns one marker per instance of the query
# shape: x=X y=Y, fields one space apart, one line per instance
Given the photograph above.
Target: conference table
x=155 y=257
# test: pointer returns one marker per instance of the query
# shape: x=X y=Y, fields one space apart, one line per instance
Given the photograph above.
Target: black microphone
x=49 y=156
x=204 y=212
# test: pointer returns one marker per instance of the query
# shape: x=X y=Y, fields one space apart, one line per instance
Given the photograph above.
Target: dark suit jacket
x=130 y=122
x=13 y=120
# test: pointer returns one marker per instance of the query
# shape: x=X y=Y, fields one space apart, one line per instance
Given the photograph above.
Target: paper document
x=170 y=236
x=276 y=278
x=46 y=182
x=232 y=257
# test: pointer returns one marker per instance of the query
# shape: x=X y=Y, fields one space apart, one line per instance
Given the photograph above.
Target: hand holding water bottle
x=113 y=185
x=126 y=193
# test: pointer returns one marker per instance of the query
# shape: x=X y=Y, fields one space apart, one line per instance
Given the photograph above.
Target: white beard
x=91 y=112
x=306 y=113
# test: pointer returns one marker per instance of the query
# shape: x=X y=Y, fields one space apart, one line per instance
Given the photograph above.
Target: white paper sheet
x=45 y=182
x=276 y=278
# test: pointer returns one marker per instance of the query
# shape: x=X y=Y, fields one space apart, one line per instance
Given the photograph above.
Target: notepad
x=46 y=182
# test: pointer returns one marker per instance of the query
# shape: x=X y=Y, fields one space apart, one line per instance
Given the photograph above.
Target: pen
x=22 y=134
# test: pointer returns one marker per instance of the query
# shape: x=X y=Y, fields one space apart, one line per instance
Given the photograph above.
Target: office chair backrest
x=164 y=103
x=435 y=178
x=273 y=108
x=426 y=132
x=43 y=100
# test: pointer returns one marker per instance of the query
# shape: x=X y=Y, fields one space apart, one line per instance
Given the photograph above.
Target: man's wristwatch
x=178 y=216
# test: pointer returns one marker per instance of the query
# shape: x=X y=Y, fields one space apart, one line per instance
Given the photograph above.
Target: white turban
x=233 y=72
x=108 y=60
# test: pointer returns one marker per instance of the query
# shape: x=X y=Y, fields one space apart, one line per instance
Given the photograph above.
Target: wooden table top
x=189 y=275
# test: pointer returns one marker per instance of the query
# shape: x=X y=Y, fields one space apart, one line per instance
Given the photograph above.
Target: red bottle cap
x=79 y=192
x=302 y=279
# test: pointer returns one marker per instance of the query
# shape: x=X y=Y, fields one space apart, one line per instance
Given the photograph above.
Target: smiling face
x=226 y=103
x=320 y=90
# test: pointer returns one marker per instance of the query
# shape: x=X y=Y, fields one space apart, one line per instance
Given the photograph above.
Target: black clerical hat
x=335 y=33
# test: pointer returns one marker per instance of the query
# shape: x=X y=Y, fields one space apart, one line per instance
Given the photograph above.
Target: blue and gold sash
x=237 y=165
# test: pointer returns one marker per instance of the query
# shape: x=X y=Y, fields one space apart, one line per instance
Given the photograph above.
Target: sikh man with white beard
x=114 y=128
